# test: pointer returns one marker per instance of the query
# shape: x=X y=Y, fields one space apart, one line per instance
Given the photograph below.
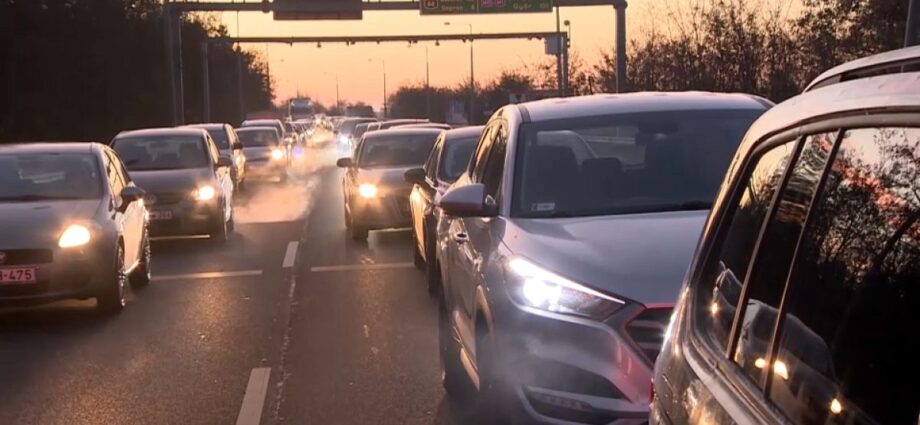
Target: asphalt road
x=290 y=322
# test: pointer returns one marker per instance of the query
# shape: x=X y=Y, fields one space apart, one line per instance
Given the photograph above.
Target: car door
x=122 y=215
x=464 y=256
x=135 y=214
x=423 y=197
x=224 y=178
x=238 y=157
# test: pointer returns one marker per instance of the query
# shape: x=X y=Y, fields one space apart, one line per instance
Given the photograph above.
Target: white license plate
x=18 y=275
x=161 y=215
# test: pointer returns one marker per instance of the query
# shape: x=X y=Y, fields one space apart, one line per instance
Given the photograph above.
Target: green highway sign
x=451 y=7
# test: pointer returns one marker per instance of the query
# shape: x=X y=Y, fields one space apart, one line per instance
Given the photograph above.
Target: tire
x=491 y=404
x=417 y=259
x=432 y=271
x=221 y=233
x=112 y=299
x=140 y=277
x=453 y=377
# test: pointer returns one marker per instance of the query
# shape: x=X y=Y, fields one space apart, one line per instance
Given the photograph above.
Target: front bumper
x=568 y=370
x=187 y=217
x=62 y=273
x=386 y=211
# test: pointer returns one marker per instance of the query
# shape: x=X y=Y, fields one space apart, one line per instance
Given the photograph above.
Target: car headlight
x=204 y=193
x=531 y=285
x=343 y=139
x=75 y=235
x=367 y=190
x=277 y=154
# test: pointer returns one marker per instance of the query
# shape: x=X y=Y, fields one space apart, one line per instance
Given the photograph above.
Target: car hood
x=385 y=177
x=40 y=224
x=642 y=257
x=161 y=181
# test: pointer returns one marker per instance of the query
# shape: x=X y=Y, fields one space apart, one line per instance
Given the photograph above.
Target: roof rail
x=891 y=62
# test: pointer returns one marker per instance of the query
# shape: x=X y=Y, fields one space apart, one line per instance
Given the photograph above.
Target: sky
x=311 y=70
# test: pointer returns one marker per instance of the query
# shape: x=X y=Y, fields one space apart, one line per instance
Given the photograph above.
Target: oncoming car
x=449 y=159
x=562 y=247
x=72 y=225
x=188 y=180
x=799 y=306
x=375 y=190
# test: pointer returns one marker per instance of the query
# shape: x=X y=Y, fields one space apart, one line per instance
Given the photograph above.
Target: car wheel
x=112 y=299
x=417 y=259
x=141 y=275
x=490 y=403
x=432 y=271
x=221 y=233
x=453 y=376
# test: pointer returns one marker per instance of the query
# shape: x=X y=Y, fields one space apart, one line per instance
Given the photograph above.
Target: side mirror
x=415 y=176
x=130 y=194
x=236 y=146
x=224 y=161
x=345 y=163
x=467 y=201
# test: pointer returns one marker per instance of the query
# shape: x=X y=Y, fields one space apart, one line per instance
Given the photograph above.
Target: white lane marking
x=207 y=275
x=254 y=399
x=290 y=255
x=359 y=267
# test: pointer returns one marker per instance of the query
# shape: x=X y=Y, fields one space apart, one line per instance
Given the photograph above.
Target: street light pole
x=384 y=62
x=427 y=84
x=338 y=104
x=472 y=75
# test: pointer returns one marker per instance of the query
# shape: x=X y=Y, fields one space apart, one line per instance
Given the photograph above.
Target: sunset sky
x=310 y=70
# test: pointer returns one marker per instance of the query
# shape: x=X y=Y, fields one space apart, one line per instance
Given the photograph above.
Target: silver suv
x=800 y=305
x=562 y=248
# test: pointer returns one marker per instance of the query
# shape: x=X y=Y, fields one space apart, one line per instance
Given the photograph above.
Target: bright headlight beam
x=277 y=154
x=75 y=235
x=205 y=193
x=367 y=190
x=528 y=270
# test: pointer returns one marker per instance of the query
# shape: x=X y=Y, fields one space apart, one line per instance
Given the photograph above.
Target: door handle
x=461 y=238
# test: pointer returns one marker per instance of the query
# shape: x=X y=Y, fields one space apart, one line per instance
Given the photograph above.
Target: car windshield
x=258 y=138
x=625 y=164
x=27 y=177
x=166 y=152
x=395 y=150
x=220 y=137
x=456 y=158
x=348 y=126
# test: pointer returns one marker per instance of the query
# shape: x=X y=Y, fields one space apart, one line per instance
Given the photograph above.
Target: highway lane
x=357 y=345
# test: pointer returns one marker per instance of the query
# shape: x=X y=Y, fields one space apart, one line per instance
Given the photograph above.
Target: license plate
x=161 y=215
x=17 y=275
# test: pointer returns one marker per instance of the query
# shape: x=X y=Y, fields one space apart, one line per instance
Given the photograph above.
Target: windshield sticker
x=543 y=206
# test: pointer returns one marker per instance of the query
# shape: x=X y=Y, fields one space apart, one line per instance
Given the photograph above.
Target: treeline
x=86 y=69
x=757 y=47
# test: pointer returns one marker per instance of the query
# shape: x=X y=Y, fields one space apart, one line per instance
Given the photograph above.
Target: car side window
x=431 y=166
x=495 y=164
x=478 y=163
x=720 y=287
x=850 y=312
x=116 y=181
x=120 y=168
x=212 y=149
x=764 y=289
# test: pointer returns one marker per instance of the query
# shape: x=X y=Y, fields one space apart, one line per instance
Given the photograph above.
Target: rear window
x=165 y=152
x=397 y=150
x=26 y=177
x=258 y=138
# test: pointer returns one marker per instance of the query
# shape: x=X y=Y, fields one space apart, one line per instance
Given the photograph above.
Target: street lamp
x=472 y=78
x=337 y=102
x=384 y=64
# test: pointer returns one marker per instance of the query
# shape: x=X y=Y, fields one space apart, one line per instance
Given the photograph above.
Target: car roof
x=257 y=128
x=887 y=62
x=164 y=131
x=209 y=125
x=607 y=104
x=265 y=120
x=48 y=147
x=463 y=132
x=402 y=132
x=882 y=93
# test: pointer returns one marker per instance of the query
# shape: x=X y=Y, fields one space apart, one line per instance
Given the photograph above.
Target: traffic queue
x=557 y=241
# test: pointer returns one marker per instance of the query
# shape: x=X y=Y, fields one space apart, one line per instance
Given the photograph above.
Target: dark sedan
x=376 y=193
x=448 y=160
x=189 y=180
x=72 y=225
